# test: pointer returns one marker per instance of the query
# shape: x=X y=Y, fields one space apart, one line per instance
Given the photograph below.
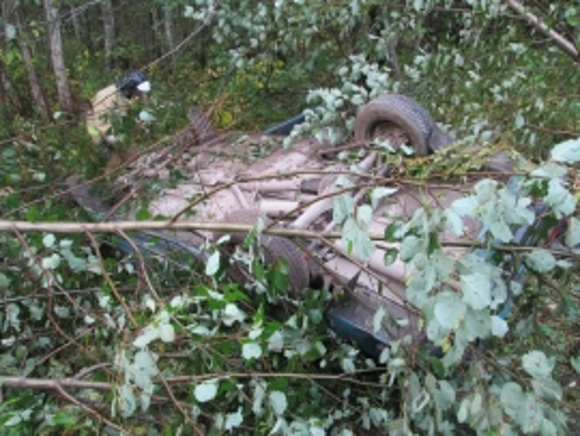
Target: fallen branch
x=565 y=45
x=116 y=226
x=76 y=383
x=59 y=386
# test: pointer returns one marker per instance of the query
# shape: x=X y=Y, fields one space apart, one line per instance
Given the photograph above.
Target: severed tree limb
x=76 y=383
x=115 y=226
x=59 y=386
x=564 y=44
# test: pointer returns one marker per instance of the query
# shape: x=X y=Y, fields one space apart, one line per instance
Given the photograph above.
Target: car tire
x=402 y=120
x=274 y=247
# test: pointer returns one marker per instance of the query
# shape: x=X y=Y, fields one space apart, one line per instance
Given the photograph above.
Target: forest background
x=493 y=72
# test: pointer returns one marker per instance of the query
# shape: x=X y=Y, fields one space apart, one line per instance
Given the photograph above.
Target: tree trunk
x=76 y=25
x=109 y=24
x=63 y=88
x=169 y=33
x=8 y=92
x=35 y=87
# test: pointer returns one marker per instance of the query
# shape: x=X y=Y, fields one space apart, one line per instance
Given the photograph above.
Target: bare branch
x=565 y=45
x=115 y=226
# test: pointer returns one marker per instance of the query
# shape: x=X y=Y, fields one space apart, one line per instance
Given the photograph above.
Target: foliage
x=175 y=346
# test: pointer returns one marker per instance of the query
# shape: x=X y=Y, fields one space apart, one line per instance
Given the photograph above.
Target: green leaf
x=278 y=402
x=378 y=193
x=559 y=198
x=213 y=264
x=143 y=214
x=530 y=414
x=343 y=206
x=206 y=391
x=390 y=256
x=391 y=232
x=511 y=397
x=477 y=324
x=500 y=230
x=410 y=246
x=463 y=411
x=449 y=309
x=251 y=350
x=454 y=222
x=166 y=332
x=188 y=12
x=537 y=364
x=62 y=418
x=476 y=290
x=547 y=428
x=233 y=420
x=348 y=366
x=567 y=151
x=547 y=388
x=575 y=362
x=485 y=190
x=550 y=170
x=148 y=335
x=364 y=216
x=476 y=404
x=499 y=326
x=540 y=260
x=232 y=314
x=4 y=281
x=145 y=362
x=259 y=395
x=573 y=233
x=445 y=395
x=464 y=206
x=51 y=262
x=10 y=31
x=33 y=214
x=146 y=117
x=127 y=400
x=48 y=240
x=378 y=318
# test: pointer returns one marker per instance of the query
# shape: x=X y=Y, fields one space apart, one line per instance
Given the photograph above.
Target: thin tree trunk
x=76 y=25
x=169 y=31
x=157 y=34
x=109 y=24
x=62 y=84
x=8 y=91
x=11 y=93
x=31 y=69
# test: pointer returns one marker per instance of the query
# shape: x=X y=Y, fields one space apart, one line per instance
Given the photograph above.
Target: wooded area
x=98 y=337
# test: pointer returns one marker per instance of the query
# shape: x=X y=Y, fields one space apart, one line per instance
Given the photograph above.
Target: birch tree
x=7 y=92
x=169 y=30
x=63 y=87
x=33 y=78
x=109 y=28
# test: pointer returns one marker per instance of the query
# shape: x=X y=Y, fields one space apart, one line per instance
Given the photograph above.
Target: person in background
x=114 y=101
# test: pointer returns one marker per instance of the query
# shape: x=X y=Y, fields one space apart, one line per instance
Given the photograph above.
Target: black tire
x=395 y=117
x=274 y=247
x=437 y=138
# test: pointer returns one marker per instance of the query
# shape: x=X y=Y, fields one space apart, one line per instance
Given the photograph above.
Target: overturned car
x=337 y=215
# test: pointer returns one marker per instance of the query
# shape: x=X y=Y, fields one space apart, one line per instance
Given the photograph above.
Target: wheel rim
x=389 y=131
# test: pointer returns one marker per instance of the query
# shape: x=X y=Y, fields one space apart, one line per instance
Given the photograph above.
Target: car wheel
x=400 y=120
x=274 y=247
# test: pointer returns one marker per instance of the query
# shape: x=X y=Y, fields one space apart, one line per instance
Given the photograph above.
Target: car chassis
x=252 y=179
